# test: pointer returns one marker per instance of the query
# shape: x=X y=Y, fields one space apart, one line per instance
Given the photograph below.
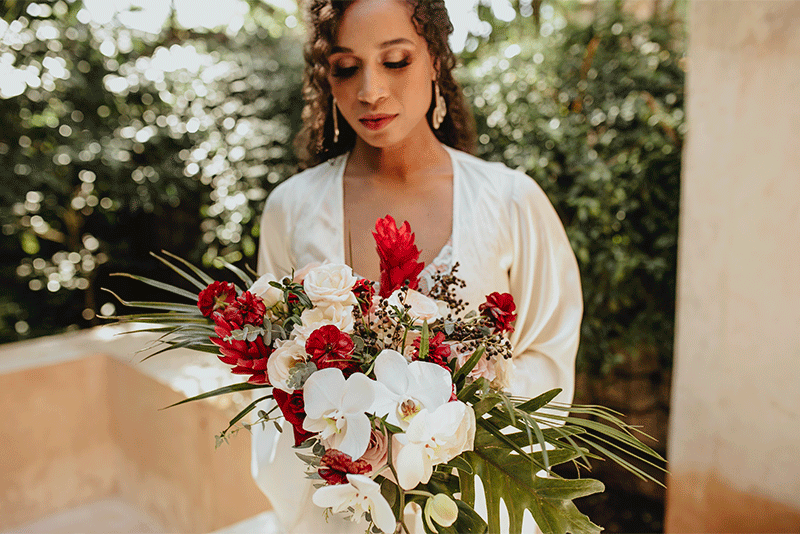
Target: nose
x=373 y=86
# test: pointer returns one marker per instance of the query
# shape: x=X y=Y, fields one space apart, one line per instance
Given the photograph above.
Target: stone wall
x=735 y=412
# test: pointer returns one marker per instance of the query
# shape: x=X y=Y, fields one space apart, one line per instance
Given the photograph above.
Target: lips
x=376 y=122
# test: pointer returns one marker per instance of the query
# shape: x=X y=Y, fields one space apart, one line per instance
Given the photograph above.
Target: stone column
x=734 y=446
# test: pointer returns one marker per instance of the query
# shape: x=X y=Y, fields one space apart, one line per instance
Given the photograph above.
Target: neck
x=413 y=158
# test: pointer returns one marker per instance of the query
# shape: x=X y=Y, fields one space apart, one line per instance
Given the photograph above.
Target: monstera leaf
x=549 y=500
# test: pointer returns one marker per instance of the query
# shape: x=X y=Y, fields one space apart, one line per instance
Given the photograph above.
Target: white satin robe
x=506 y=237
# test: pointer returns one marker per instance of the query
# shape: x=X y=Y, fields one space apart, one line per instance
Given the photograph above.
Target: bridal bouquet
x=393 y=395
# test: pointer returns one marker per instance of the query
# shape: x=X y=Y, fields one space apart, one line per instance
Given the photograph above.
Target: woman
x=386 y=132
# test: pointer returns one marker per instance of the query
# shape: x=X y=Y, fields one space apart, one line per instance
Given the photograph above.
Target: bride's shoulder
x=494 y=176
x=306 y=186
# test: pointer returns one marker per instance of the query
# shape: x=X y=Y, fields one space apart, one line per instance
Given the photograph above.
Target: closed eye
x=343 y=72
x=397 y=64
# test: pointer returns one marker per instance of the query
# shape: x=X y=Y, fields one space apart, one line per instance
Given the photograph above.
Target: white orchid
x=363 y=495
x=335 y=408
x=432 y=438
x=403 y=389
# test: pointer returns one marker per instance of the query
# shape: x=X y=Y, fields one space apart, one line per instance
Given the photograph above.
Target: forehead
x=371 y=23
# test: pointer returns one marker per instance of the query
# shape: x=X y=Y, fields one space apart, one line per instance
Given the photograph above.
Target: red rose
x=398 y=255
x=294 y=411
x=248 y=309
x=438 y=351
x=330 y=347
x=216 y=297
x=247 y=357
x=499 y=310
x=336 y=465
x=364 y=290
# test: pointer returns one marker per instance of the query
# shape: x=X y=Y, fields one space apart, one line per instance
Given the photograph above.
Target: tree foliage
x=116 y=143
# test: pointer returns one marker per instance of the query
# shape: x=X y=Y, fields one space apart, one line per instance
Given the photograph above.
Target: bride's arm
x=274 y=251
x=546 y=287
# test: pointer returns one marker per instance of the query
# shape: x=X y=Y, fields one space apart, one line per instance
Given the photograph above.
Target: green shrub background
x=112 y=155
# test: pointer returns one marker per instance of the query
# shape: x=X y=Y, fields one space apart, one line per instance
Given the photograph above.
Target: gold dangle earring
x=440 y=110
x=335 y=123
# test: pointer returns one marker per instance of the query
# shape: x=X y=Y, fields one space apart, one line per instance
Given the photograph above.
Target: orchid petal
x=391 y=369
x=356 y=439
x=336 y=497
x=358 y=394
x=381 y=512
x=430 y=383
x=411 y=466
x=323 y=391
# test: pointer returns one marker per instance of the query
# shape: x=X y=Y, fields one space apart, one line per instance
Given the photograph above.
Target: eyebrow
x=385 y=44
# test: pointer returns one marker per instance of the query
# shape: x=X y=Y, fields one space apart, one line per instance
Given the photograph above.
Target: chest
x=427 y=206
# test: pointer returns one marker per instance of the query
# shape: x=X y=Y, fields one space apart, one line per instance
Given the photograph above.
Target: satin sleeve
x=545 y=283
x=274 y=251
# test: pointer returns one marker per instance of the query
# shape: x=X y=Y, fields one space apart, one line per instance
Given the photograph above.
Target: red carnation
x=438 y=351
x=499 y=310
x=216 y=297
x=336 y=465
x=364 y=290
x=248 y=309
x=294 y=411
x=330 y=347
x=247 y=357
x=398 y=255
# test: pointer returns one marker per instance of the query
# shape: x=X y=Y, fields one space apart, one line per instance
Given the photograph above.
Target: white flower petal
x=381 y=512
x=430 y=383
x=391 y=369
x=323 y=391
x=412 y=464
x=356 y=438
x=337 y=496
x=358 y=394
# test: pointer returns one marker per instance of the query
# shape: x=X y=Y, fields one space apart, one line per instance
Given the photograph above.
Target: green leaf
x=423 y=341
x=169 y=306
x=207 y=280
x=464 y=370
x=549 y=500
x=246 y=411
x=539 y=402
x=238 y=272
x=243 y=386
x=160 y=285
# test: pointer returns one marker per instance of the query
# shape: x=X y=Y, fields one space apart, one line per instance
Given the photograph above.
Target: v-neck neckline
x=452 y=242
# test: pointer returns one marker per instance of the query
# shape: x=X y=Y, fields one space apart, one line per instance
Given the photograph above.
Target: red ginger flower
x=499 y=310
x=336 y=465
x=438 y=351
x=294 y=411
x=247 y=309
x=217 y=296
x=398 y=255
x=330 y=347
x=247 y=357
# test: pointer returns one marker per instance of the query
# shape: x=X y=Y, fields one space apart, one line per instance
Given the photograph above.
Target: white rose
x=331 y=283
x=340 y=316
x=300 y=275
x=269 y=294
x=423 y=308
x=286 y=355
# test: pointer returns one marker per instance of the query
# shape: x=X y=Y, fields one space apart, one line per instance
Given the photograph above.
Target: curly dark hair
x=314 y=142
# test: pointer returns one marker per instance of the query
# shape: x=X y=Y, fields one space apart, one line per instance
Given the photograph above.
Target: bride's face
x=381 y=72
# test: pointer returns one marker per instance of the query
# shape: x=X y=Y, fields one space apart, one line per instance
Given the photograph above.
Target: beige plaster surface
x=735 y=416
x=86 y=435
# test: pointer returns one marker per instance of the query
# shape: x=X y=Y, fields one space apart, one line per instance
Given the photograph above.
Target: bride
x=386 y=131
